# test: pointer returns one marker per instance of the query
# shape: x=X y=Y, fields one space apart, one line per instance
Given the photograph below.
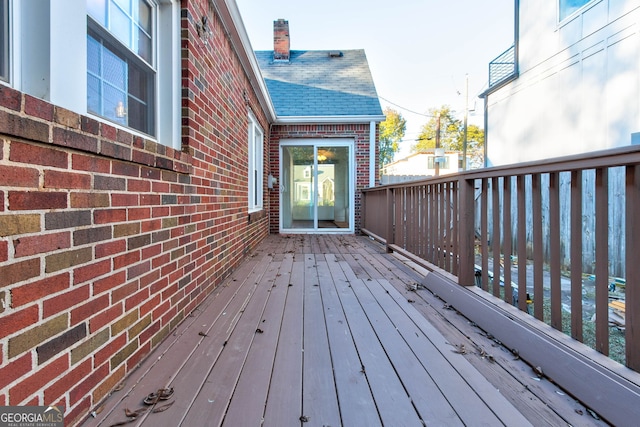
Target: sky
x=420 y=52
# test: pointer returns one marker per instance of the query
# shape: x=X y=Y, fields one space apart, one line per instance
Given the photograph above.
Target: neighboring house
x=569 y=85
x=420 y=165
x=136 y=143
x=327 y=113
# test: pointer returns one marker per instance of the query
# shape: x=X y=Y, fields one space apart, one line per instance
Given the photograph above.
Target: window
x=120 y=75
x=567 y=7
x=4 y=40
x=256 y=159
x=431 y=162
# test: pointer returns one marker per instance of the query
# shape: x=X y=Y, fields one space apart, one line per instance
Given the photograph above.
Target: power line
x=404 y=108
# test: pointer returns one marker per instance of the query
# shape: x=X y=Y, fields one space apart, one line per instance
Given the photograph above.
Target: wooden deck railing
x=562 y=234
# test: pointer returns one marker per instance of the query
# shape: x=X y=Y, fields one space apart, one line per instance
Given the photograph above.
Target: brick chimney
x=281 y=45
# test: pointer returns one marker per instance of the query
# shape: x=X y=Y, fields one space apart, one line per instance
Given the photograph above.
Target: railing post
x=466 y=275
x=389 y=237
x=632 y=242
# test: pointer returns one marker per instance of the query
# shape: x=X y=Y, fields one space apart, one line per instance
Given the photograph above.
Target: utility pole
x=466 y=113
x=436 y=159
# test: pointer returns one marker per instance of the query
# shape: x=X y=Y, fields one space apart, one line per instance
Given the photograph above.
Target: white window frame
x=50 y=56
x=256 y=165
x=111 y=44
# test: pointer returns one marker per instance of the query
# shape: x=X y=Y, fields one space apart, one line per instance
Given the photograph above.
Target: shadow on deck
x=326 y=331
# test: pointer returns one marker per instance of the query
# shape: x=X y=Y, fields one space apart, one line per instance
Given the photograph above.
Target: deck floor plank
x=212 y=399
x=341 y=345
x=319 y=399
x=393 y=402
x=357 y=405
x=253 y=384
x=284 y=402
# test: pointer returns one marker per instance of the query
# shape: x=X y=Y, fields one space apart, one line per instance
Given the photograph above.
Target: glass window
x=431 y=163
x=120 y=76
x=567 y=7
x=256 y=160
x=4 y=40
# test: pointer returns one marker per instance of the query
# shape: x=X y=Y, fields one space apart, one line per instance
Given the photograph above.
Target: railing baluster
x=447 y=227
x=390 y=211
x=538 y=261
x=522 y=243
x=576 y=255
x=429 y=224
x=441 y=226
x=495 y=237
x=632 y=293
x=410 y=220
x=455 y=247
x=423 y=219
x=554 y=250
x=484 y=230
x=602 y=261
x=507 y=243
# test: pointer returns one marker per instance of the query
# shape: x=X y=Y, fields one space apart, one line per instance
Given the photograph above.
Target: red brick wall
x=108 y=240
x=358 y=132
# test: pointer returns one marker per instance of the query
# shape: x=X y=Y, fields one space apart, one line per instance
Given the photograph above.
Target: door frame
x=315 y=143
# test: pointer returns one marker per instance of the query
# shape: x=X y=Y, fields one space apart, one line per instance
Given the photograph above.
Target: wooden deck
x=322 y=331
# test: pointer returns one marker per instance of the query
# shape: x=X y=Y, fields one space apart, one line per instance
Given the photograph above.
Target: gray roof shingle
x=313 y=83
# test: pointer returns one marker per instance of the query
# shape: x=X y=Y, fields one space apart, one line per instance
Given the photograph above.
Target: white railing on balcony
x=503 y=67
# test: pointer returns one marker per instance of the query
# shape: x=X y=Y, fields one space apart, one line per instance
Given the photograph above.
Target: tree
x=451 y=135
x=391 y=132
x=475 y=147
x=449 y=130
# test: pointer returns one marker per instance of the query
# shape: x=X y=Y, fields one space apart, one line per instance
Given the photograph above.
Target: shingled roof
x=321 y=83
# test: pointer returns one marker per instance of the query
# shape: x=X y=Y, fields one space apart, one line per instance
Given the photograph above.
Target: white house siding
x=578 y=88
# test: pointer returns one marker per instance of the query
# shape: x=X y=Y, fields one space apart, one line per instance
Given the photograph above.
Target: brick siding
x=108 y=240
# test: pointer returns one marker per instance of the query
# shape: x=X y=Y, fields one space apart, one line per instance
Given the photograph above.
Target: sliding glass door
x=316 y=185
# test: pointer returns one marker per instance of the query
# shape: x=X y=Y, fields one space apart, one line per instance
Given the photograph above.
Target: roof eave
x=234 y=26
x=304 y=120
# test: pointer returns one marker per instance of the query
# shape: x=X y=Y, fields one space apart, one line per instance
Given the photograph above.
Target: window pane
x=93 y=95
x=97 y=9
x=114 y=101
x=93 y=56
x=4 y=40
x=138 y=83
x=138 y=116
x=144 y=46
x=567 y=7
x=120 y=26
x=115 y=70
x=144 y=16
x=124 y=5
x=141 y=101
